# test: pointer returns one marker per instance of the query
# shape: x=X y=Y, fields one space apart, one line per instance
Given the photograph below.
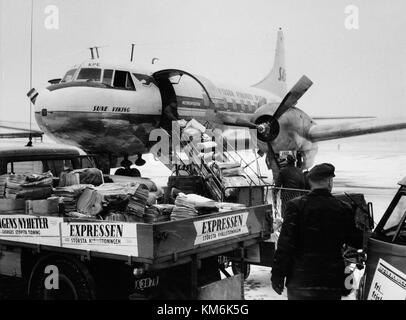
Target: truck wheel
x=72 y=282
x=238 y=268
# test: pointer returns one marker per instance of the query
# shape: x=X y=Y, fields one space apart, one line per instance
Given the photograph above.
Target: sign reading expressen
x=220 y=228
x=120 y=238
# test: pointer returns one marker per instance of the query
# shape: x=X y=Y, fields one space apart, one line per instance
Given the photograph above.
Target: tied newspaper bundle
x=113 y=198
x=230 y=174
x=91 y=176
x=27 y=186
x=191 y=205
x=158 y=212
x=69 y=195
x=229 y=206
x=138 y=201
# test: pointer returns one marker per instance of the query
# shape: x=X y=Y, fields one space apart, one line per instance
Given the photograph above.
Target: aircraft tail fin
x=275 y=80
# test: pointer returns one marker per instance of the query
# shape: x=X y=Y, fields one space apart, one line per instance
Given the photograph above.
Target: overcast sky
x=355 y=72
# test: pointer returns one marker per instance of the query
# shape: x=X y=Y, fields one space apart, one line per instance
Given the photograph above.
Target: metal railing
x=280 y=196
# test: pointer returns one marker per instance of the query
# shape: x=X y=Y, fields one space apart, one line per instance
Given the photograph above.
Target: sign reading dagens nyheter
x=30 y=229
x=220 y=228
x=111 y=237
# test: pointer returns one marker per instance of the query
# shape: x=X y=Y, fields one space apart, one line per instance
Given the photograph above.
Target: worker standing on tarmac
x=309 y=249
x=289 y=177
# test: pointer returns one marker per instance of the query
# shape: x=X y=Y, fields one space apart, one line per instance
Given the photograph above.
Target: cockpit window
x=123 y=80
x=69 y=75
x=107 y=76
x=89 y=74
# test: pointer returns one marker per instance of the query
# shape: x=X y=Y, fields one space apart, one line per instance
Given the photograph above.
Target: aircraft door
x=173 y=87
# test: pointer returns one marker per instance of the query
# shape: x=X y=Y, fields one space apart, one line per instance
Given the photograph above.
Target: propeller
x=289 y=101
x=267 y=125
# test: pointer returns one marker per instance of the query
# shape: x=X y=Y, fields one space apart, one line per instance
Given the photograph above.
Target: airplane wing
x=23 y=126
x=10 y=129
x=344 y=130
x=343 y=118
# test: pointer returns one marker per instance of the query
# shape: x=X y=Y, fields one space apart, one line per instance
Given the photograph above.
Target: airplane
x=111 y=108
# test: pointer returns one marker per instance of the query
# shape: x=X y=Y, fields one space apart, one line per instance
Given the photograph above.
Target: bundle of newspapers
x=113 y=197
x=138 y=201
x=81 y=176
x=158 y=212
x=190 y=205
x=27 y=186
x=69 y=195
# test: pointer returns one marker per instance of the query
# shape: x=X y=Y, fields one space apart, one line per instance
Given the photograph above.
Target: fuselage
x=112 y=108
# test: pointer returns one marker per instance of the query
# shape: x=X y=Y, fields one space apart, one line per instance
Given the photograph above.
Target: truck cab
x=41 y=157
x=384 y=276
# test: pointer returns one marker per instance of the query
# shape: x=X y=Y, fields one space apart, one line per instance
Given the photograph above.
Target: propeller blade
x=245 y=123
x=293 y=96
x=240 y=123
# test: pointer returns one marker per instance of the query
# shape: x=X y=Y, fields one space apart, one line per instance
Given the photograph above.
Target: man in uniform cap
x=309 y=250
x=321 y=171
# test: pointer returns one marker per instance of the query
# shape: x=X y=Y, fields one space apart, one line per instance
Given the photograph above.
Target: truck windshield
x=89 y=74
x=396 y=221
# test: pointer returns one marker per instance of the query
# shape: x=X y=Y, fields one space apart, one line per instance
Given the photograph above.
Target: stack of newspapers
x=190 y=205
x=69 y=195
x=29 y=187
x=138 y=201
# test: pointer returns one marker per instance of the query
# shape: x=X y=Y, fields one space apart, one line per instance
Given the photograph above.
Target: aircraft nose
x=41 y=101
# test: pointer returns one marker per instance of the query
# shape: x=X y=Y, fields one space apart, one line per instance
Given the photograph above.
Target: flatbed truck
x=59 y=257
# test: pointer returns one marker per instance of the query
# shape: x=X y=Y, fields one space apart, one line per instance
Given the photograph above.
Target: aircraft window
x=89 y=74
x=122 y=79
x=69 y=75
x=107 y=76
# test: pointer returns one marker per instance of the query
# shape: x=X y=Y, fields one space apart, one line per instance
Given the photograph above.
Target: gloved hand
x=278 y=285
